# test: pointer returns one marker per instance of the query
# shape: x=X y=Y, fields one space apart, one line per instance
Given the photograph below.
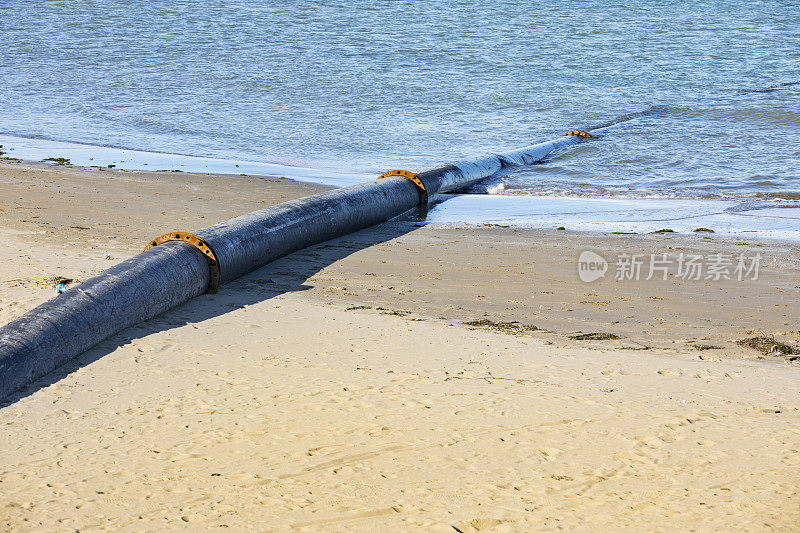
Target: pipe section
x=174 y=272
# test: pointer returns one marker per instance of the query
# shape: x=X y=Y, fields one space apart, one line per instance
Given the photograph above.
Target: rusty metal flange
x=580 y=133
x=200 y=244
x=423 y=192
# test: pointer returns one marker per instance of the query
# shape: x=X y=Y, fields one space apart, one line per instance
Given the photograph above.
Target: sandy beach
x=408 y=377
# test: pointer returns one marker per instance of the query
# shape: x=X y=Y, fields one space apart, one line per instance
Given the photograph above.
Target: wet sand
x=340 y=388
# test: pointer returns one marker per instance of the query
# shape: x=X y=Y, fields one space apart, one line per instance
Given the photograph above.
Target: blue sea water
x=699 y=99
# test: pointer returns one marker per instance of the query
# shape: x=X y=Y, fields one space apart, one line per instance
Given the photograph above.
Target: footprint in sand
x=618 y=371
x=476 y=524
x=550 y=453
x=649 y=440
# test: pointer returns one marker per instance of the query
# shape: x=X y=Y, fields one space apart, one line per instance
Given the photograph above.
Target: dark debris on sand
x=704 y=347
x=512 y=328
x=57 y=280
x=594 y=337
x=770 y=346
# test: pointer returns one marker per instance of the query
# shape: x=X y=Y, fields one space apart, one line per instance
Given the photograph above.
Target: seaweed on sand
x=511 y=328
x=768 y=346
x=57 y=160
x=598 y=336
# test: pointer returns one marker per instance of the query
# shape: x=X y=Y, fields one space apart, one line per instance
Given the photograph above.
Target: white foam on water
x=753 y=220
x=496 y=189
x=89 y=155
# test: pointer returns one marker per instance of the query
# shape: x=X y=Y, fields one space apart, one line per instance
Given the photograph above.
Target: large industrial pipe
x=179 y=266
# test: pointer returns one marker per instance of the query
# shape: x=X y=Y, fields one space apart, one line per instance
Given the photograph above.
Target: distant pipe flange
x=423 y=192
x=580 y=133
x=200 y=244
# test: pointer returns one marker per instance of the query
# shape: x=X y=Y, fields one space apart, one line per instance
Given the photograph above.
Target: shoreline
x=33 y=150
x=772 y=220
x=765 y=220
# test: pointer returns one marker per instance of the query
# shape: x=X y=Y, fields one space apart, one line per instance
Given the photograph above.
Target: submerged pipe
x=177 y=267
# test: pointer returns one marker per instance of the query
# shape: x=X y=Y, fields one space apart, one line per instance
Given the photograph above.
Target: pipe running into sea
x=173 y=272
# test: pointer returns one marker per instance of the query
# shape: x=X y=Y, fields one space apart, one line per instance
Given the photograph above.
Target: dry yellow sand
x=339 y=390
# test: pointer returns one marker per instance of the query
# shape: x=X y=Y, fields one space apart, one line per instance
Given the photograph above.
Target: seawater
x=689 y=99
